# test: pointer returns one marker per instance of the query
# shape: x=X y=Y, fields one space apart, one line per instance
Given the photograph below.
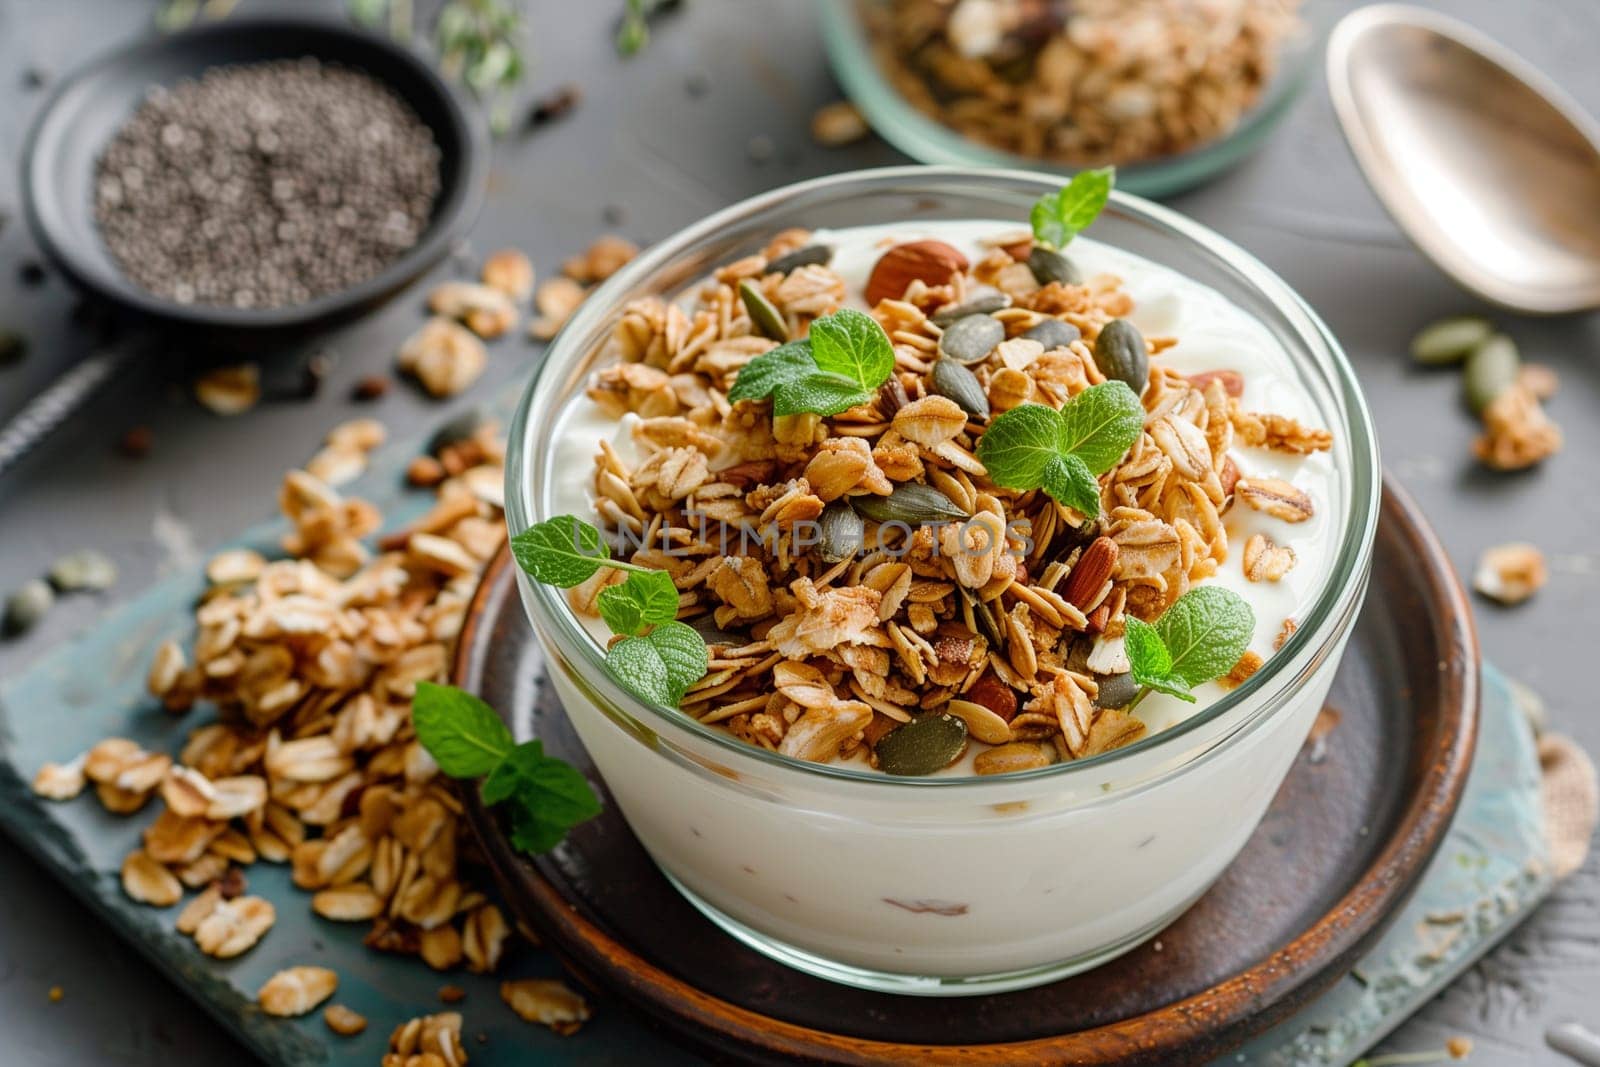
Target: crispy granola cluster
x=1087 y=81
x=819 y=660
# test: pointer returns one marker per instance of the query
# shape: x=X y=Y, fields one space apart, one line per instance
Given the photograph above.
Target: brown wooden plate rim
x=1223 y=1015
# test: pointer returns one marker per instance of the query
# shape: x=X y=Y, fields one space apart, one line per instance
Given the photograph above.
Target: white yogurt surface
x=1213 y=334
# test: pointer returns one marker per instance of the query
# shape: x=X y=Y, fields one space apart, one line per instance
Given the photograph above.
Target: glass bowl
x=850 y=51
x=947 y=885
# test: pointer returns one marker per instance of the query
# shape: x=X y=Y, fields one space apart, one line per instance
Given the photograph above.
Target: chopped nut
x=837 y=124
x=1265 y=561
x=1510 y=573
x=297 y=990
x=555 y=300
x=444 y=357
x=511 y=272
x=1517 y=432
x=229 y=390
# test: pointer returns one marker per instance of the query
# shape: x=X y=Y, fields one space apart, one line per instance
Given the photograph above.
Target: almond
x=930 y=262
x=993 y=694
x=1232 y=381
x=1089 y=574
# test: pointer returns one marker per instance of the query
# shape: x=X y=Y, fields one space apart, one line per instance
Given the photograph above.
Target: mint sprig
x=1064 y=452
x=545 y=796
x=1059 y=217
x=1199 y=638
x=838 y=366
x=658 y=658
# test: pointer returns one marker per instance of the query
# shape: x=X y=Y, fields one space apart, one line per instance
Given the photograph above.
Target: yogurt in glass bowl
x=1111 y=819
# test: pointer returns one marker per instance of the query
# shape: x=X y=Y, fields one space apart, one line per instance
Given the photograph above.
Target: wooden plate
x=1343 y=843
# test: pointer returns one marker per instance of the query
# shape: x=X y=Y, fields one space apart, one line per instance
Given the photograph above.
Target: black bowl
x=87 y=108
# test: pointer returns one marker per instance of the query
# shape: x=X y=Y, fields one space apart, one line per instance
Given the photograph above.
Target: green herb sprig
x=838 y=366
x=544 y=796
x=658 y=658
x=1199 y=638
x=1059 y=217
x=1064 y=452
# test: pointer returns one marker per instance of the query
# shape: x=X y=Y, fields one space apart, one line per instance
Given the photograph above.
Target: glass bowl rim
x=1328 y=617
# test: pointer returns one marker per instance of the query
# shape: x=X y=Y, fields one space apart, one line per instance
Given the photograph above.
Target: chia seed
x=265 y=185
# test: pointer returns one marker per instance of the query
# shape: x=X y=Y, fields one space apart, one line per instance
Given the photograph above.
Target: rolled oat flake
x=265 y=185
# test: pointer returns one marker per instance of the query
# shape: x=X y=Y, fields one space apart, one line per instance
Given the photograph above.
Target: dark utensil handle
x=52 y=407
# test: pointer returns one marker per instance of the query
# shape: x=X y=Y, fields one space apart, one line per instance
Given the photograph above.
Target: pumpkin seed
x=840 y=532
x=1450 y=340
x=767 y=321
x=970 y=339
x=910 y=502
x=1120 y=353
x=1116 y=690
x=85 y=569
x=801 y=257
x=978 y=618
x=922 y=746
x=978 y=305
x=1048 y=266
x=955 y=382
x=982 y=723
x=1491 y=370
x=28 y=605
x=1053 y=333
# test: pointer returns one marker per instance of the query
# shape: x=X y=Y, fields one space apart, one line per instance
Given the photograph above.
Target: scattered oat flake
x=297 y=990
x=56 y=994
x=546 y=1001
x=343 y=1021
x=837 y=124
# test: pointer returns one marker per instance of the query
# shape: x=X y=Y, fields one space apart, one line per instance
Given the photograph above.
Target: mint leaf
x=1045 y=218
x=852 y=344
x=1150 y=662
x=638 y=668
x=463 y=734
x=684 y=653
x=771 y=369
x=1100 y=424
x=553 y=786
x=1018 y=446
x=660 y=666
x=820 y=393
x=1070 y=481
x=1058 y=217
x=645 y=599
x=1205 y=632
x=562 y=551
x=1085 y=196
x=1062 y=452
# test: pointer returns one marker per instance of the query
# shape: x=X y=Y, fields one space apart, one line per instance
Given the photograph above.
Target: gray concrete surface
x=642 y=144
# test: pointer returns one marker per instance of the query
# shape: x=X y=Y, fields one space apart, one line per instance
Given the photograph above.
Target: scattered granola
x=546 y=1001
x=1095 y=81
x=1517 y=433
x=311 y=662
x=444 y=356
x=427 y=1041
x=1510 y=573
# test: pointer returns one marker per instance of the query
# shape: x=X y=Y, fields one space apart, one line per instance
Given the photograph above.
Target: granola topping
x=1001 y=610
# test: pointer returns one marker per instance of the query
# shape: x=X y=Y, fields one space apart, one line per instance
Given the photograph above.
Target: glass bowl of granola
x=942 y=601
x=1170 y=91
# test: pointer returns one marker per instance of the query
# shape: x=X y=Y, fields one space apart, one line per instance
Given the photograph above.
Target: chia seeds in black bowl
x=264 y=185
